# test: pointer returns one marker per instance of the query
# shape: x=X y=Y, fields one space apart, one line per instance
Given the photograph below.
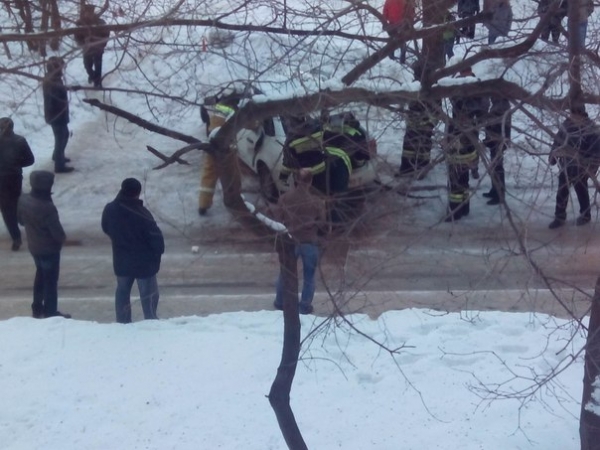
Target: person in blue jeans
x=302 y=211
x=138 y=245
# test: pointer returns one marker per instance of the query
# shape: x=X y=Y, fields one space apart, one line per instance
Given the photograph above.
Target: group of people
x=400 y=17
x=137 y=242
x=576 y=149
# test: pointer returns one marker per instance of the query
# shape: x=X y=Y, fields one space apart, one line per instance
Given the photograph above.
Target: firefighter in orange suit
x=217 y=115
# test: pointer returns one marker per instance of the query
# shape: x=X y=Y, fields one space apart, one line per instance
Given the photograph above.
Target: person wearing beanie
x=14 y=155
x=45 y=238
x=137 y=246
x=56 y=111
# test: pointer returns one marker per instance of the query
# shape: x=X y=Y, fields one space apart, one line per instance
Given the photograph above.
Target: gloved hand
x=552 y=160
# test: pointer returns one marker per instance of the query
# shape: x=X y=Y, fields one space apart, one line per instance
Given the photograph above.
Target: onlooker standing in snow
x=14 y=155
x=449 y=35
x=137 y=245
x=303 y=213
x=92 y=41
x=553 y=28
x=45 y=238
x=400 y=16
x=465 y=9
x=56 y=111
x=586 y=8
x=501 y=20
x=577 y=150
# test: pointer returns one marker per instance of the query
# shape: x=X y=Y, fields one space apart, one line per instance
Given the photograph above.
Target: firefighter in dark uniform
x=461 y=151
x=217 y=115
x=417 y=143
x=497 y=137
x=330 y=165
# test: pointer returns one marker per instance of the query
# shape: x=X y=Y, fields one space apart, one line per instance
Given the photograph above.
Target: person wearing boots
x=417 y=141
x=209 y=175
x=92 y=41
x=497 y=137
x=137 y=245
x=461 y=150
x=14 y=155
x=45 y=238
x=56 y=111
x=576 y=148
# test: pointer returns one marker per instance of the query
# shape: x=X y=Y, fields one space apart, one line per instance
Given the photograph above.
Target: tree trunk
x=45 y=21
x=24 y=9
x=279 y=396
x=574 y=45
x=432 y=56
x=589 y=422
x=55 y=23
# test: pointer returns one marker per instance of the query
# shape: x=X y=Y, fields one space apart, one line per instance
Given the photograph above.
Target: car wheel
x=267 y=184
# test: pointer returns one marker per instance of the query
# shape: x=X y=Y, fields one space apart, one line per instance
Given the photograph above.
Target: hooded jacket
x=56 y=100
x=39 y=216
x=137 y=242
x=14 y=151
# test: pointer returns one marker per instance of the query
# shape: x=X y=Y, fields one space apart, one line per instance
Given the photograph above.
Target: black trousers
x=45 y=285
x=61 y=138
x=10 y=190
x=92 y=61
x=497 y=170
x=578 y=178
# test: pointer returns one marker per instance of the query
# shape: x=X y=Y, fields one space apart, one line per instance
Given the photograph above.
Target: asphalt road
x=369 y=271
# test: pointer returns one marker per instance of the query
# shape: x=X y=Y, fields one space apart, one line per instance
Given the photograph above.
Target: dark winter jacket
x=577 y=142
x=501 y=16
x=14 y=151
x=137 y=242
x=56 y=101
x=498 y=123
x=35 y=211
x=92 y=39
x=467 y=7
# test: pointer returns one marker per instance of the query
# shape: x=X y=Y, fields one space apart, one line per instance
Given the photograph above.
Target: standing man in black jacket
x=92 y=41
x=14 y=155
x=137 y=245
x=56 y=111
x=45 y=238
x=576 y=148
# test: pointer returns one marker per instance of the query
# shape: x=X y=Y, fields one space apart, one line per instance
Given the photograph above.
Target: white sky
x=200 y=383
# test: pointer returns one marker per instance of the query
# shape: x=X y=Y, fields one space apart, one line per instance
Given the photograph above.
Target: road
x=377 y=268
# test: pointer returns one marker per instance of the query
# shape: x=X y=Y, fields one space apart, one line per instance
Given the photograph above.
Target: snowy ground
x=200 y=383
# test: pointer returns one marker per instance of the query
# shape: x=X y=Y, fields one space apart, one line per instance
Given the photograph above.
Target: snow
x=458 y=380
x=202 y=382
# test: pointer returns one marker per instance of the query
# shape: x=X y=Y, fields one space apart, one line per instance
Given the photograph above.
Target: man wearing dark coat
x=45 y=238
x=137 y=245
x=466 y=9
x=92 y=41
x=56 y=111
x=14 y=155
x=576 y=148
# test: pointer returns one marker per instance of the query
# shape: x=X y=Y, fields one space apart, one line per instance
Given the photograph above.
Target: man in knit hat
x=45 y=238
x=14 y=155
x=137 y=245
